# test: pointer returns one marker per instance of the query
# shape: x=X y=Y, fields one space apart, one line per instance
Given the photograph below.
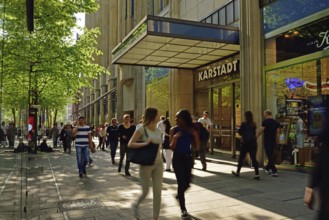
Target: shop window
x=215 y=18
x=297 y=42
x=229 y=13
x=236 y=10
x=208 y=20
x=222 y=17
x=282 y=12
x=299 y=81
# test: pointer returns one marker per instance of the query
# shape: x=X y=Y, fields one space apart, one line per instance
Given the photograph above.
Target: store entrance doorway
x=226 y=117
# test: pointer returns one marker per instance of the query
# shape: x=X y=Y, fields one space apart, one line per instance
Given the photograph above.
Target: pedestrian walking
x=161 y=127
x=2 y=138
x=155 y=171
x=11 y=135
x=125 y=132
x=101 y=137
x=203 y=137
x=300 y=131
x=206 y=122
x=55 y=134
x=166 y=145
x=83 y=141
x=67 y=138
x=247 y=132
x=112 y=138
x=319 y=178
x=182 y=136
x=270 y=129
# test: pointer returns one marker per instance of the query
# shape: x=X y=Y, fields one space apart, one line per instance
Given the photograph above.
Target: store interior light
x=295 y=33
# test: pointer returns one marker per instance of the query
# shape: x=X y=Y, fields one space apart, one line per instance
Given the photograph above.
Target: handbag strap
x=147 y=136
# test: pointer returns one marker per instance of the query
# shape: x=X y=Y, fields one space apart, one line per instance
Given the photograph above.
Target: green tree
x=47 y=64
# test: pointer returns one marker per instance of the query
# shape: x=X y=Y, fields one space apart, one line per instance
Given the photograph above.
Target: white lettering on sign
x=220 y=70
x=325 y=40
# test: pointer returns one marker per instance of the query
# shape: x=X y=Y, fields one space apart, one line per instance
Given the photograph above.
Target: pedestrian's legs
x=182 y=167
x=79 y=159
x=270 y=156
x=122 y=156
x=11 y=141
x=85 y=158
x=157 y=175
x=243 y=153
x=202 y=153
x=54 y=142
x=168 y=156
x=65 y=144
x=113 y=147
x=252 y=153
x=69 y=145
x=144 y=179
x=127 y=162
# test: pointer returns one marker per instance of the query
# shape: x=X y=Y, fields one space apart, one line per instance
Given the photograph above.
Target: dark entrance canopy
x=175 y=43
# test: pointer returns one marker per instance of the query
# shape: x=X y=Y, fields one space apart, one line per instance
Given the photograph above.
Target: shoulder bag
x=144 y=156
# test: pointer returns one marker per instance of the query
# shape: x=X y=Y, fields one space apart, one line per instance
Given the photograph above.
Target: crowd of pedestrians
x=179 y=145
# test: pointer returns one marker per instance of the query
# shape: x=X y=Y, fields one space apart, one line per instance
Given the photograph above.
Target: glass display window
x=298 y=82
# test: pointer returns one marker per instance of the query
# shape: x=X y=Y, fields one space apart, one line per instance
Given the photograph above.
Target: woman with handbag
x=142 y=137
x=182 y=137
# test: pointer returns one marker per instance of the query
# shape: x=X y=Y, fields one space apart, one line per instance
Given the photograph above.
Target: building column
x=180 y=96
x=251 y=52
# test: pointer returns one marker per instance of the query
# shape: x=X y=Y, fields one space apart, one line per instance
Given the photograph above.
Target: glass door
x=226 y=117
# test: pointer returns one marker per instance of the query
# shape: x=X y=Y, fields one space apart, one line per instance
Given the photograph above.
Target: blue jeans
x=82 y=158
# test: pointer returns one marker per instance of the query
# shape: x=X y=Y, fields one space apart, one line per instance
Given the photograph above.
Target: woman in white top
x=155 y=171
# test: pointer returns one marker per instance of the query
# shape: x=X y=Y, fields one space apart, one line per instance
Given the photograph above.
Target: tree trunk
x=55 y=116
x=14 y=115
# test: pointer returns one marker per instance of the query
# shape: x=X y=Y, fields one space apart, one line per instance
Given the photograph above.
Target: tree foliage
x=47 y=62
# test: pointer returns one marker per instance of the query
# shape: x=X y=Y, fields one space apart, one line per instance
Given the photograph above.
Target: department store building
x=225 y=57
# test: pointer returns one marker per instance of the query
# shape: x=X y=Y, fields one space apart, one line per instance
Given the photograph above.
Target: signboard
x=220 y=70
x=305 y=40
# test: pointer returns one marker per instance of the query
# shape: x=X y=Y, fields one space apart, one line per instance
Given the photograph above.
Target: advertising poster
x=317 y=114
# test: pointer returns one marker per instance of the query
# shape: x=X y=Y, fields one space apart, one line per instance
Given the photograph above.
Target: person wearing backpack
x=248 y=144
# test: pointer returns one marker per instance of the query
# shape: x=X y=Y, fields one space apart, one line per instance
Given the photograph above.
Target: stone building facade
x=223 y=76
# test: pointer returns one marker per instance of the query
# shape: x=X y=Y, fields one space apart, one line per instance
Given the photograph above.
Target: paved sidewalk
x=47 y=186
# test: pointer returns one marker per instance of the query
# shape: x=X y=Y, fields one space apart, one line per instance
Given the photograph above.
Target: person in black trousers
x=248 y=144
x=270 y=128
x=112 y=138
x=182 y=137
x=125 y=132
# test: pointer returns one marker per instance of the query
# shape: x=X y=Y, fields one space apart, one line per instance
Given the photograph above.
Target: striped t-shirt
x=81 y=138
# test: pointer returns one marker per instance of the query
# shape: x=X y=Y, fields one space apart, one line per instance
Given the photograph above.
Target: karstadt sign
x=220 y=70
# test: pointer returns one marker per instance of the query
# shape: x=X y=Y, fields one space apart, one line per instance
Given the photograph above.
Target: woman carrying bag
x=142 y=137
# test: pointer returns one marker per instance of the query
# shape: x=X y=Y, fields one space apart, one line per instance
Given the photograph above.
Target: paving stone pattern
x=47 y=186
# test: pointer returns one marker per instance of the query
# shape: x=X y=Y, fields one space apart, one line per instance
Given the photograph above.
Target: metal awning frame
x=176 y=43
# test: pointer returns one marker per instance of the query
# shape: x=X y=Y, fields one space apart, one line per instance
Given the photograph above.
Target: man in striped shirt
x=82 y=144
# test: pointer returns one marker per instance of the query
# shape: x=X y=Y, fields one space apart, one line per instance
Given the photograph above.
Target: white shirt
x=161 y=126
x=206 y=122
